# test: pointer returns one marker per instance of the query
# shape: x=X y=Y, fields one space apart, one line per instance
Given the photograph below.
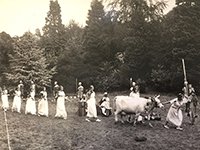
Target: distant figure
x=30 y=105
x=80 y=91
x=186 y=94
x=16 y=106
x=175 y=115
x=105 y=105
x=134 y=91
x=4 y=98
x=55 y=90
x=21 y=88
x=32 y=90
x=43 y=103
x=91 y=105
x=60 y=105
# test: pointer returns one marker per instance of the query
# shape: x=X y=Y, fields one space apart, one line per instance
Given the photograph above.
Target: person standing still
x=80 y=91
x=56 y=88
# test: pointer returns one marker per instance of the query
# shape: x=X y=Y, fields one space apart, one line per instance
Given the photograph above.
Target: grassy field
x=28 y=132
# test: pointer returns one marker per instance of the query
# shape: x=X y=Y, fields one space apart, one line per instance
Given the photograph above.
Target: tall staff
x=186 y=92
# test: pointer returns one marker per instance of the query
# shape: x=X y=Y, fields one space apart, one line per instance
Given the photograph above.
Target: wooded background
x=121 y=40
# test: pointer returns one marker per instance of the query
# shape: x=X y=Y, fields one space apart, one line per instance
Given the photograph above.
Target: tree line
x=122 y=39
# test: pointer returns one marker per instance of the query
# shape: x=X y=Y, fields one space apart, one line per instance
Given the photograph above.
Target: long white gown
x=60 y=106
x=175 y=115
x=16 y=106
x=43 y=105
x=91 y=106
x=4 y=98
x=30 y=106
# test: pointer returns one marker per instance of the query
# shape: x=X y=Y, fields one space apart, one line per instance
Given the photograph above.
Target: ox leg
x=136 y=118
x=116 y=117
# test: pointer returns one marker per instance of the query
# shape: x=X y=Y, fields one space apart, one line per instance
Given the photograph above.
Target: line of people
x=30 y=106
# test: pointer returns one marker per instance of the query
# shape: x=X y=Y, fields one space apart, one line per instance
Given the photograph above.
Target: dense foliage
x=122 y=40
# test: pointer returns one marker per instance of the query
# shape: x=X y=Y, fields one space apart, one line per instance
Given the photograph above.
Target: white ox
x=135 y=105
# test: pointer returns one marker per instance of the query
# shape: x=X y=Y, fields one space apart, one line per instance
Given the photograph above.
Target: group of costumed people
x=90 y=103
x=30 y=107
x=187 y=97
x=174 y=115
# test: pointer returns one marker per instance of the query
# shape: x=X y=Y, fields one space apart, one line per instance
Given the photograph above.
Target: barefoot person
x=91 y=105
x=43 y=104
x=16 y=106
x=175 y=115
x=60 y=106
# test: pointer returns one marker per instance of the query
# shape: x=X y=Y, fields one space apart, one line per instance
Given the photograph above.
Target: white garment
x=4 y=98
x=32 y=94
x=16 y=106
x=106 y=103
x=175 y=115
x=43 y=105
x=60 y=107
x=91 y=106
x=135 y=95
x=30 y=106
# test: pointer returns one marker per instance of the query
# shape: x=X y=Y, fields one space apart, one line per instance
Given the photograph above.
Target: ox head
x=157 y=101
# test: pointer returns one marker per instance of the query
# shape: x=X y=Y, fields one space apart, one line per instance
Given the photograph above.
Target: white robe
x=4 y=98
x=91 y=106
x=16 y=106
x=43 y=105
x=60 y=106
x=175 y=115
x=30 y=106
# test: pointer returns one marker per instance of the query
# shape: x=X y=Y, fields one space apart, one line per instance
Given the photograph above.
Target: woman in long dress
x=43 y=104
x=175 y=115
x=4 y=98
x=91 y=106
x=30 y=106
x=16 y=106
x=60 y=105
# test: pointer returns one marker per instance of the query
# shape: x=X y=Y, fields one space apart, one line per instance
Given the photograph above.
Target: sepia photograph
x=99 y=74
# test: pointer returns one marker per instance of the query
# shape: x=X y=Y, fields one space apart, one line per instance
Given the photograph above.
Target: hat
x=180 y=96
x=133 y=83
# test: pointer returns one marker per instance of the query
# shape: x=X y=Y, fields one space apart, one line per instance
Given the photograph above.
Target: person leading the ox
x=91 y=105
x=4 y=98
x=43 y=103
x=175 y=115
x=105 y=105
x=80 y=91
x=17 y=100
x=60 y=105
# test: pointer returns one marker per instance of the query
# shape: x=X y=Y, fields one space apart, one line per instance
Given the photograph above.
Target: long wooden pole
x=184 y=71
x=185 y=78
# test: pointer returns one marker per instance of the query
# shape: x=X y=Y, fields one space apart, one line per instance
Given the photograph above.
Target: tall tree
x=27 y=62
x=141 y=20
x=181 y=40
x=70 y=63
x=52 y=39
x=6 y=48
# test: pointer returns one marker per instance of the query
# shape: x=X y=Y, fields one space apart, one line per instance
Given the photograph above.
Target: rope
x=8 y=137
